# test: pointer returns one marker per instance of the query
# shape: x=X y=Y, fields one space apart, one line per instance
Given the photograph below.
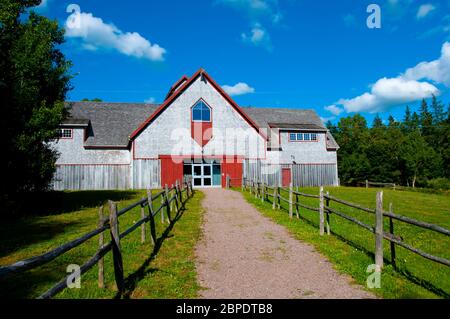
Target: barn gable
x=174 y=121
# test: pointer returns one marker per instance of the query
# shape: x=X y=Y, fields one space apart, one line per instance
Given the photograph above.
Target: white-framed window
x=65 y=133
x=303 y=137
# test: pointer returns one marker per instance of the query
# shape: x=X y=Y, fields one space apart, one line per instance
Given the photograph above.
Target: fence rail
x=368 y=184
x=172 y=199
x=260 y=190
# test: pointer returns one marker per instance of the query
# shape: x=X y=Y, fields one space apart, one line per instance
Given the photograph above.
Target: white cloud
x=388 y=92
x=97 y=34
x=408 y=87
x=256 y=9
x=265 y=11
x=437 y=70
x=258 y=36
x=333 y=109
x=150 y=100
x=238 y=89
x=424 y=10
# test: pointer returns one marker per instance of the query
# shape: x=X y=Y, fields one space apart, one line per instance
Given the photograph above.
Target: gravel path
x=245 y=255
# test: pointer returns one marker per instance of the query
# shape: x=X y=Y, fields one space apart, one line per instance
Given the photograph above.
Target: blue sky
x=316 y=54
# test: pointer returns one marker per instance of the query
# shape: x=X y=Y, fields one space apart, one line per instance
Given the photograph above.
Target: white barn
x=198 y=132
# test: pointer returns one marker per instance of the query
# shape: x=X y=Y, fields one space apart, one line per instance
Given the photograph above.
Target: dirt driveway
x=245 y=255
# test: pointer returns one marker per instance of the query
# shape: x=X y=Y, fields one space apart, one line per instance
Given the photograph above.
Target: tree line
x=412 y=152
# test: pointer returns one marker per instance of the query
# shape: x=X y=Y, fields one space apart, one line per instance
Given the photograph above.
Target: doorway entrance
x=204 y=174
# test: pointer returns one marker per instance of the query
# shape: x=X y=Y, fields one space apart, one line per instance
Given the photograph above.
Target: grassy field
x=167 y=271
x=350 y=248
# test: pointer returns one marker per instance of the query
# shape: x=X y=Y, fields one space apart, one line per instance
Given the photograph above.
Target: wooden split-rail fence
x=368 y=184
x=170 y=199
x=264 y=192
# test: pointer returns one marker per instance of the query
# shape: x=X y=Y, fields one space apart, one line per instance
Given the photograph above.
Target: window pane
x=206 y=115
x=197 y=170
x=196 y=114
x=207 y=170
x=314 y=137
x=207 y=182
x=197 y=182
x=300 y=137
x=293 y=137
x=307 y=137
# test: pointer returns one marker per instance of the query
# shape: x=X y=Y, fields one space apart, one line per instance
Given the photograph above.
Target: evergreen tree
x=438 y=111
x=407 y=124
x=377 y=122
x=426 y=118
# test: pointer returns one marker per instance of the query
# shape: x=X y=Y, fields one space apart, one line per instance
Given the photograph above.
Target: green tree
x=353 y=136
x=34 y=80
x=438 y=111
x=418 y=157
x=377 y=122
x=426 y=119
x=407 y=125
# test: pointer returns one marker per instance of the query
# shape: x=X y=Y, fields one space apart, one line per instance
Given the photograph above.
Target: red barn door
x=286 y=177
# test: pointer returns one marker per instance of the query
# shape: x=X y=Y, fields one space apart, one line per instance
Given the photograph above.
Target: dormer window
x=303 y=137
x=65 y=133
x=201 y=112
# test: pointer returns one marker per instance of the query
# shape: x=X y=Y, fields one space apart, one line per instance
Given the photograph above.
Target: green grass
x=167 y=271
x=350 y=248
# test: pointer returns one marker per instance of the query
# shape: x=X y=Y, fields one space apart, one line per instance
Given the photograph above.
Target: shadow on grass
x=22 y=233
x=55 y=202
x=404 y=272
x=132 y=280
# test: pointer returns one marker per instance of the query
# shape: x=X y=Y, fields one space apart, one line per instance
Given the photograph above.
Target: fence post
x=391 y=230
x=279 y=197
x=143 y=225
x=175 y=202
x=297 y=212
x=291 y=199
x=163 y=202
x=243 y=184
x=101 y=267
x=321 y=213
x=115 y=239
x=379 y=231
x=152 y=218
x=327 y=202
x=263 y=191
x=367 y=183
x=166 y=192
x=274 y=197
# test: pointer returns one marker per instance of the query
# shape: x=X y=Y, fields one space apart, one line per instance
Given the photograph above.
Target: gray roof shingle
x=113 y=123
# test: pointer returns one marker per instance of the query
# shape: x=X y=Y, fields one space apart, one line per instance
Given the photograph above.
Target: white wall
x=170 y=133
x=303 y=152
x=72 y=151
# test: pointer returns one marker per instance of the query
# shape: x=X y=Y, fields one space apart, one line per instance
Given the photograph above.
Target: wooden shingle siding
x=303 y=175
x=91 y=177
x=146 y=174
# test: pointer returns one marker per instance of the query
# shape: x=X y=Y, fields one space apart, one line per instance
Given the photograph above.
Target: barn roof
x=111 y=124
